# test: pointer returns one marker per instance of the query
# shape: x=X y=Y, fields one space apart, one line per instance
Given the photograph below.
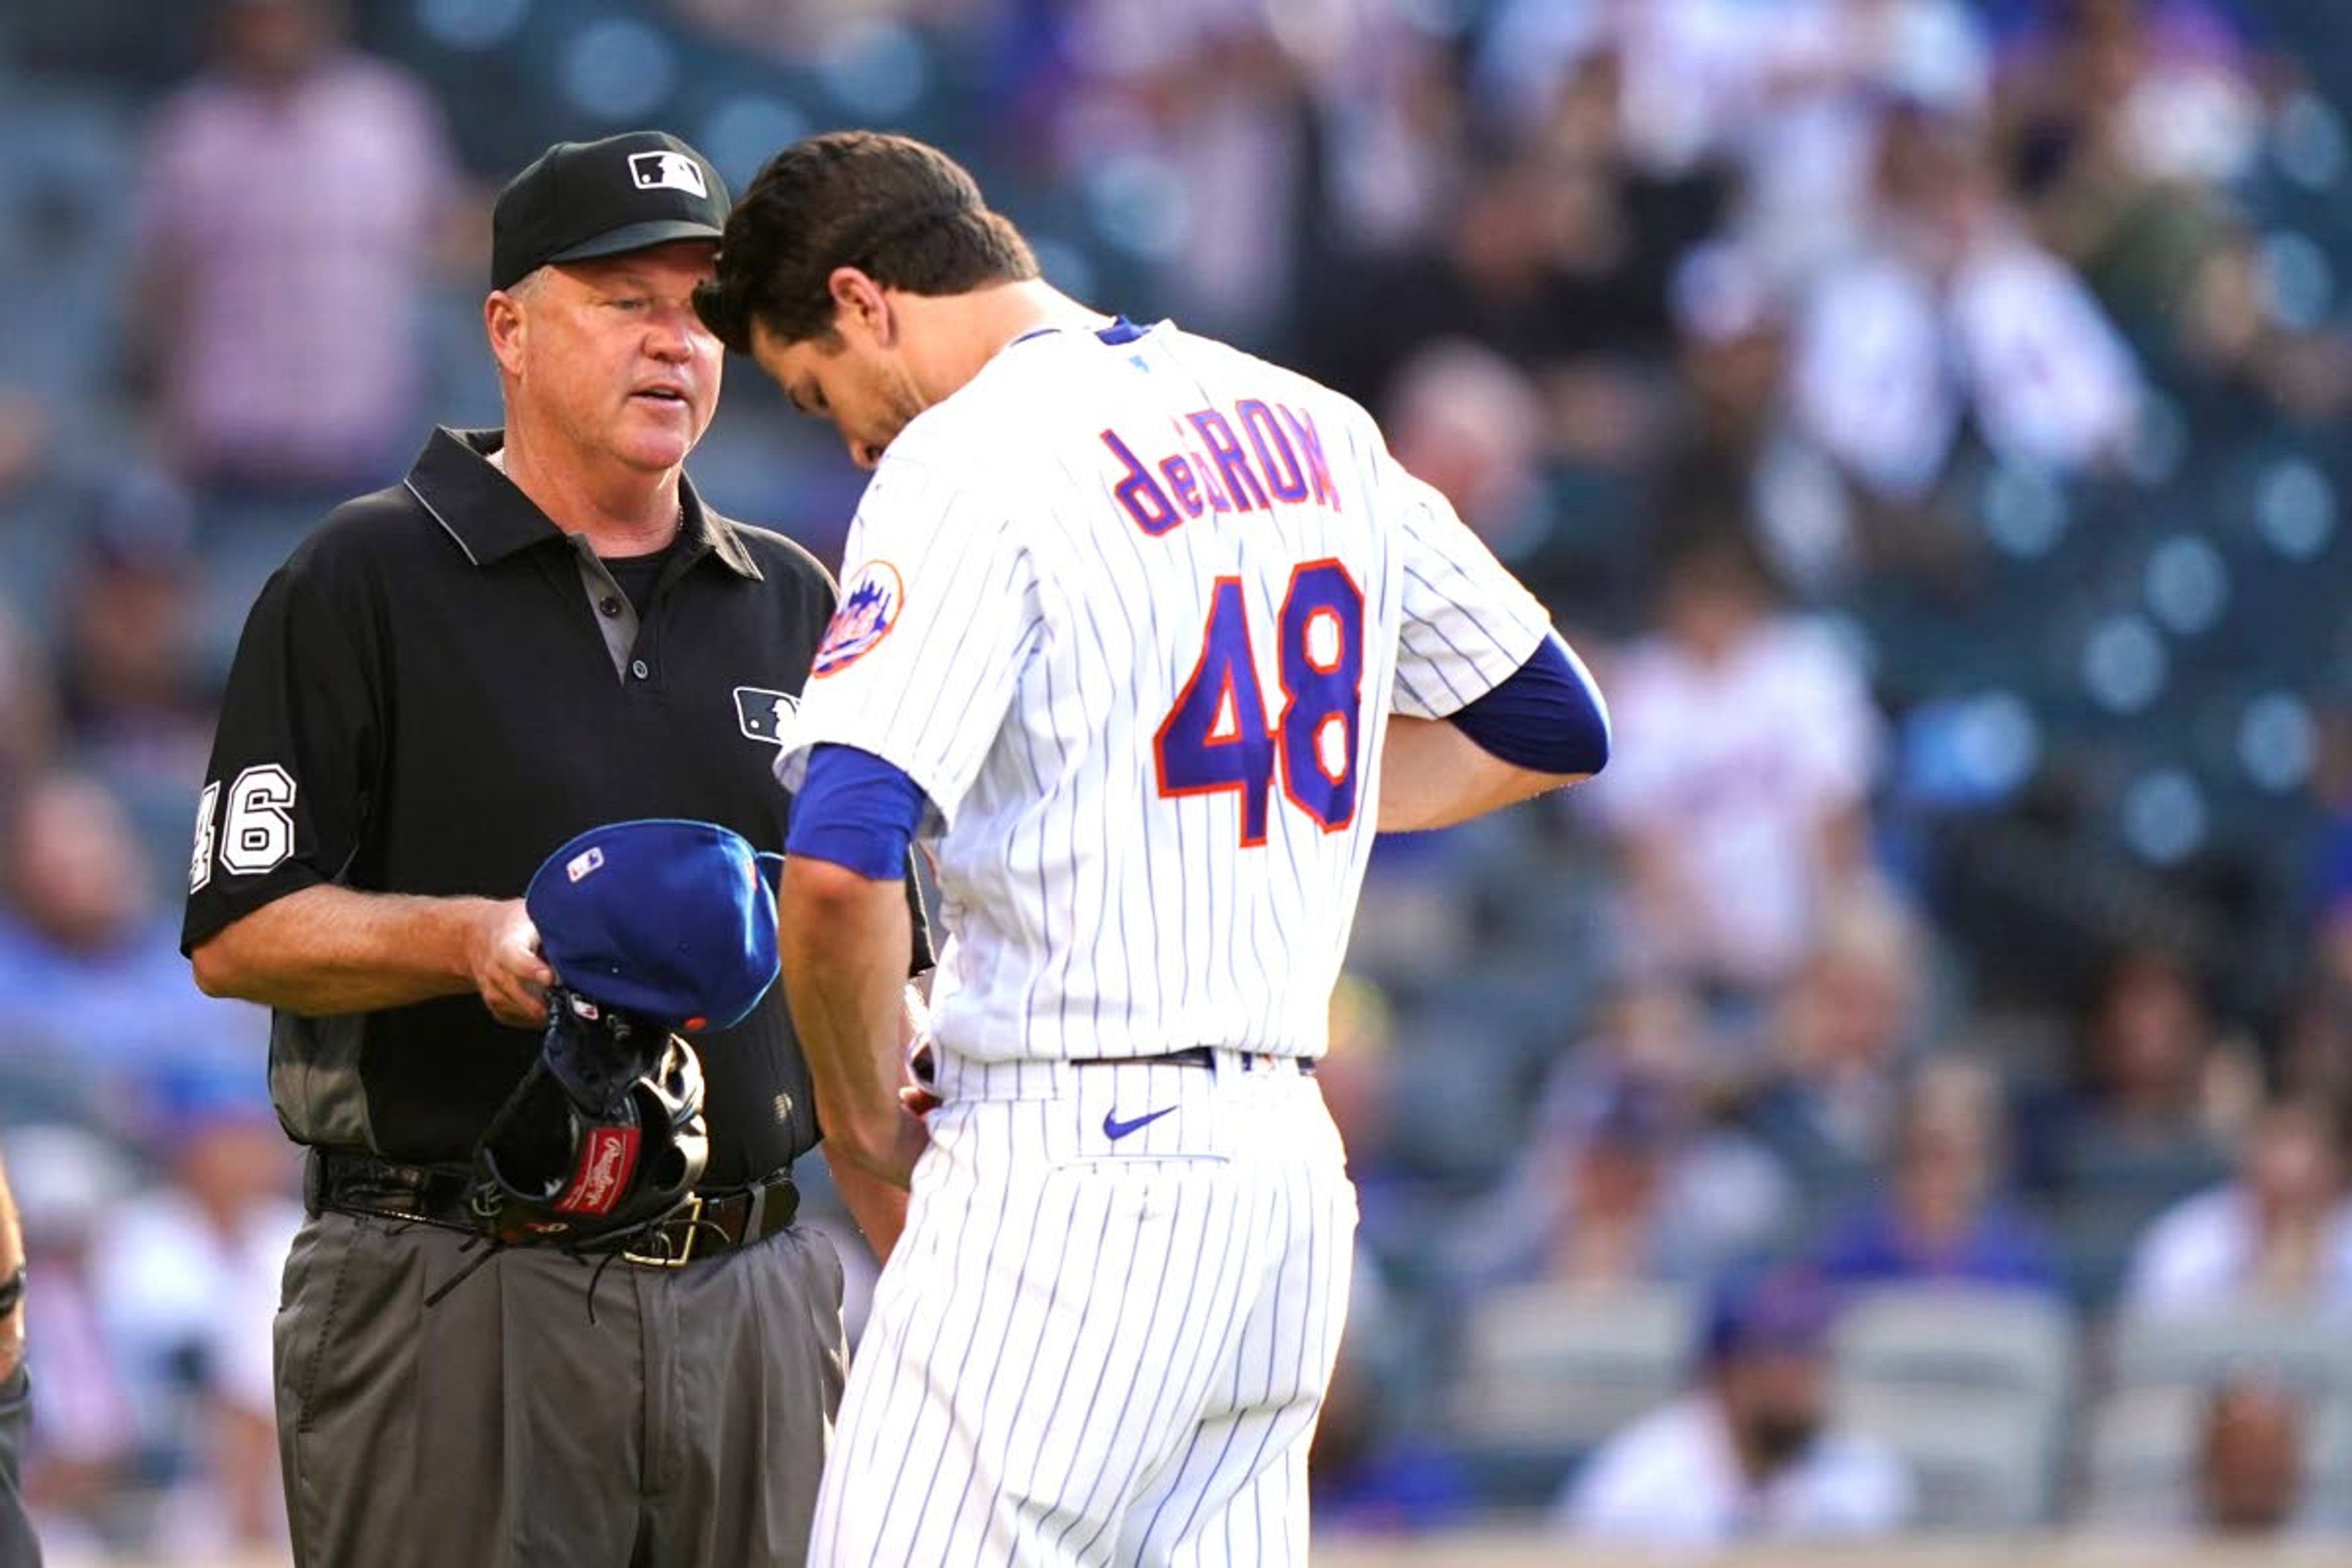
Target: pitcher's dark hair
x=900 y=210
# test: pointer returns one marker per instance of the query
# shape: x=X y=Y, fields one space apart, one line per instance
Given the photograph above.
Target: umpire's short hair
x=896 y=209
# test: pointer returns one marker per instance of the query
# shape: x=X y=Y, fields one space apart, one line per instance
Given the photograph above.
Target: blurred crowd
x=1916 y=411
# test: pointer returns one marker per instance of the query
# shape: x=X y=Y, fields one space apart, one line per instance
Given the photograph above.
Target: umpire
x=542 y=629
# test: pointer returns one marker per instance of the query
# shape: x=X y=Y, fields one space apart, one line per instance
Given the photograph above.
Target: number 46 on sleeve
x=1219 y=736
x=259 y=832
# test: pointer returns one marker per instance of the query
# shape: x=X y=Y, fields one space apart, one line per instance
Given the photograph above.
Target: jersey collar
x=490 y=518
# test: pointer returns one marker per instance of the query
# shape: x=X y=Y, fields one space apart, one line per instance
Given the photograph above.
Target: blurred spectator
x=2157 y=1100
x=1747 y=745
x=1749 y=1455
x=1627 y=1179
x=1826 y=1101
x=294 y=197
x=2315 y=1054
x=1725 y=1197
x=1587 y=1208
x=188 y=1280
x=1944 y=1216
x=1609 y=1229
x=138 y=704
x=1951 y=309
x=85 y=1448
x=95 y=999
x=2251 y=1460
x=2281 y=1233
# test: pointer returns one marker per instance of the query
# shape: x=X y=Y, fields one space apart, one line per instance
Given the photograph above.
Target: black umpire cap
x=583 y=199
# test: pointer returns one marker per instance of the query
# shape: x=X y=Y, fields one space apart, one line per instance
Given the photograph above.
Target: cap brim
x=637 y=237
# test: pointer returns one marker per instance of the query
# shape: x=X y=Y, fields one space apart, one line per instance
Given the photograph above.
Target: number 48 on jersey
x=1221 y=735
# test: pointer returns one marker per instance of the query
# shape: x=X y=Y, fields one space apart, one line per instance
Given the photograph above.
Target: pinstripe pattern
x=1087 y=1351
x=1043 y=638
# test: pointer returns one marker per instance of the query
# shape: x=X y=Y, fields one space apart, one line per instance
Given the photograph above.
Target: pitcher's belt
x=1209 y=1057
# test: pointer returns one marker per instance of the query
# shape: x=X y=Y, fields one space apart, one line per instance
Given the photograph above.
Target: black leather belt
x=1191 y=1057
x=340 y=1182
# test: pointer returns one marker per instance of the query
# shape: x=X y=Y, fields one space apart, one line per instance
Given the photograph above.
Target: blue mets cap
x=662 y=917
x=1785 y=1311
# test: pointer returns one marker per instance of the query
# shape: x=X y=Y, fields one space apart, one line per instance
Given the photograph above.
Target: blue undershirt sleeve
x=856 y=811
x=1547 y=716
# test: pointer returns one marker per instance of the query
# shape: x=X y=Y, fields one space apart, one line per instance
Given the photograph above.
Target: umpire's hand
x=508 y=969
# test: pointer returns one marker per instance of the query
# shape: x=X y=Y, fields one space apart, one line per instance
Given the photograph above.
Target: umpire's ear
x=505 y=320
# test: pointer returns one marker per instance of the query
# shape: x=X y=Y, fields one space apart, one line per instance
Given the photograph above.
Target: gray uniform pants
x=17 y=1547
x=686 y=1426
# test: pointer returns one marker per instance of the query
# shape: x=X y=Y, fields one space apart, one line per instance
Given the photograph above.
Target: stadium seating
x=2310 y=1350
x=1547 y=1372
x=1972 y=1386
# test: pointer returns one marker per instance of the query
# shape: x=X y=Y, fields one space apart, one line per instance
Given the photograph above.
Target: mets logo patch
x=870 y=602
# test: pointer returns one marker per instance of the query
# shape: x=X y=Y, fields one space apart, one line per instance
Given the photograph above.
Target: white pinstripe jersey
x=1133 y=610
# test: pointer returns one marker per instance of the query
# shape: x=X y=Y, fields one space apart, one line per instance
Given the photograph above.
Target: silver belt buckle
x=692 y=1214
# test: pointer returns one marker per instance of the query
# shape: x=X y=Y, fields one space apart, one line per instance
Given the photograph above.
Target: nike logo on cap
x=1115 y=1130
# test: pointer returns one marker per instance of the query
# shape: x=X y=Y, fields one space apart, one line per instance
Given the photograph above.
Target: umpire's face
x=607 y=358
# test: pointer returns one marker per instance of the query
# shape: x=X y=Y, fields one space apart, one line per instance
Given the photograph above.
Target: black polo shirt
x=439 y=688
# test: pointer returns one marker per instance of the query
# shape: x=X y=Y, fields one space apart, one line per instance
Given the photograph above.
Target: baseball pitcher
x=1143 y=638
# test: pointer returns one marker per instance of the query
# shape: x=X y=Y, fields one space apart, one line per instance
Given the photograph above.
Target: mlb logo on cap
x=667 y=171
x=663 y=917
x=581 y=200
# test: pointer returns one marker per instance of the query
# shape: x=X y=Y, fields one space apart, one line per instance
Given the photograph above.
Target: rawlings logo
x=870 y=604
x=606 y=1161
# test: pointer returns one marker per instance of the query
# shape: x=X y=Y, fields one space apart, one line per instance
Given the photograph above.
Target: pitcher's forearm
x=1432 y=775
x=879 y=1208
x=843 y=940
